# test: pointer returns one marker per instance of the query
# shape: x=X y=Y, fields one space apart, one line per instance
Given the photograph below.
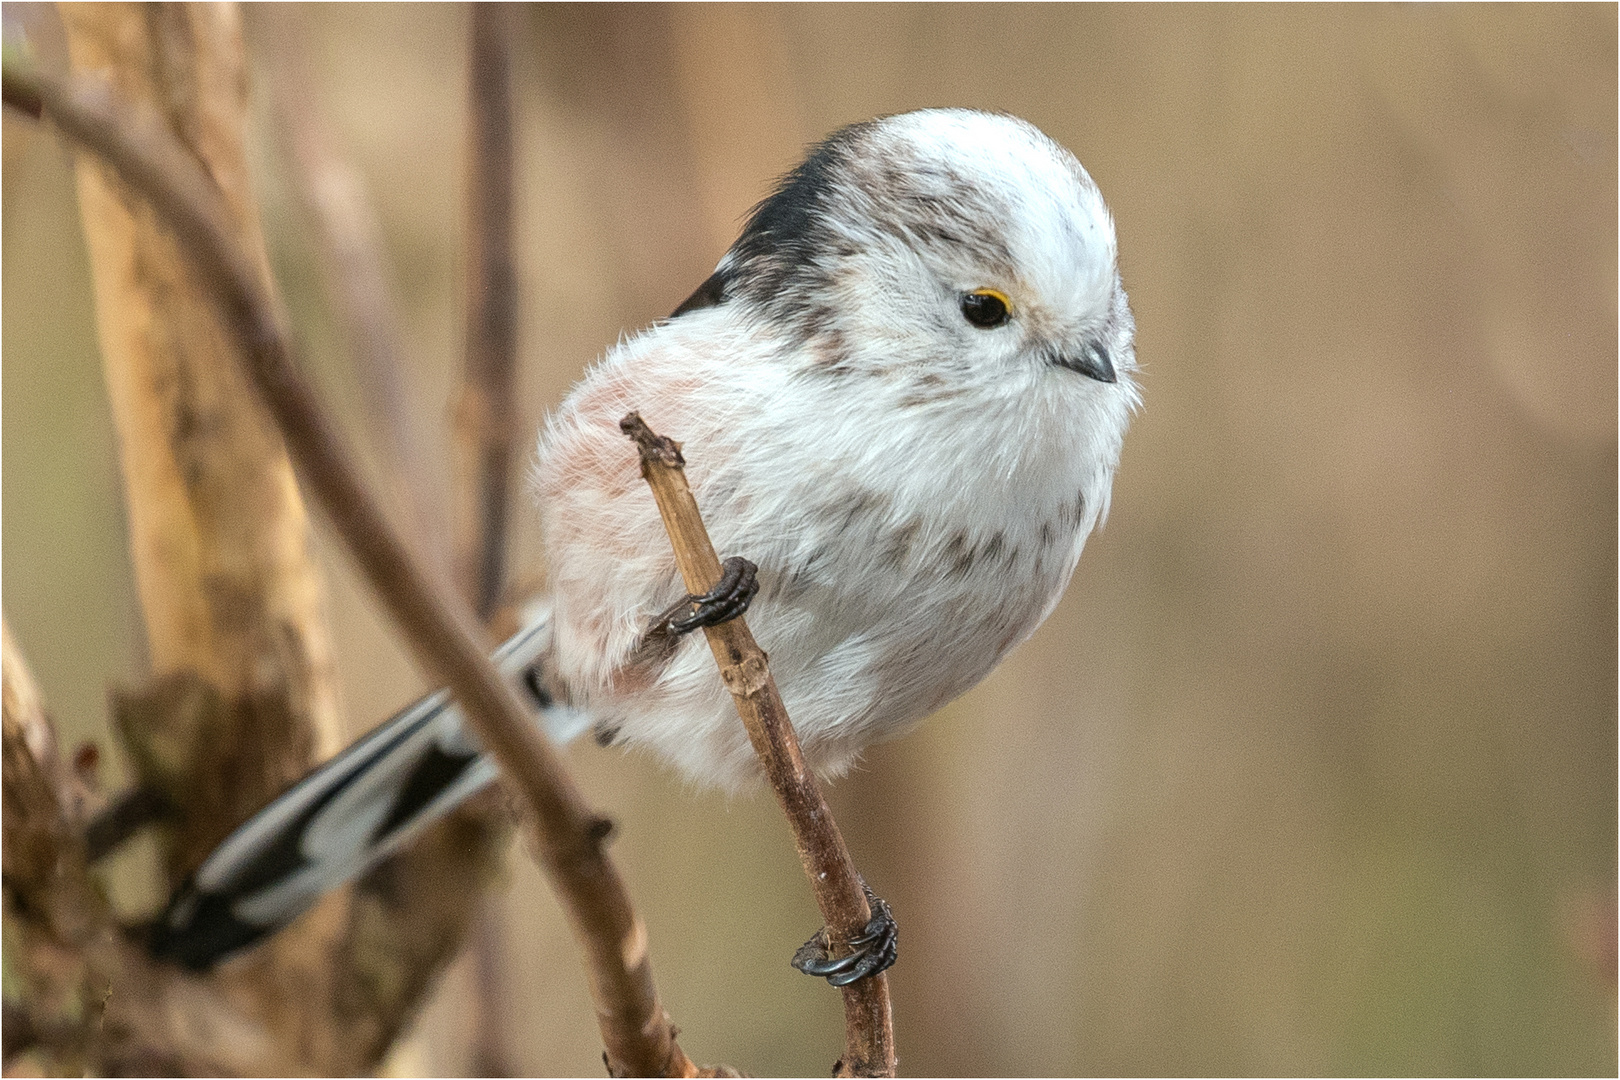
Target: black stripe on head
x=787 y=230
x=709 y=294
x=782 y=232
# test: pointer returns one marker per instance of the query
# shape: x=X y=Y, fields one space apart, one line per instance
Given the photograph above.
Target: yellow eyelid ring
x=1006 y=301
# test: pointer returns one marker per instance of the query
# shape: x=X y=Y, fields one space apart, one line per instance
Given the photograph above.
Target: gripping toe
x=730 y=597
x=874 y=949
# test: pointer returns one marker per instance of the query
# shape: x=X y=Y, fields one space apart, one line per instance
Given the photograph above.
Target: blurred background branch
x=486 y=415
x=485 y=420
x=65 y=952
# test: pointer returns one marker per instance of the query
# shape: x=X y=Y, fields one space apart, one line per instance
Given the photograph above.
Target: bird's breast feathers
x=880 y=526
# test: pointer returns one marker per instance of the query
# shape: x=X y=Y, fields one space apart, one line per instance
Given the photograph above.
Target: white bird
x=901 y=395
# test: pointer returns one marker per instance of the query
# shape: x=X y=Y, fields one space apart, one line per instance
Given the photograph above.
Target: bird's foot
x=739 y=581
x=873 y=950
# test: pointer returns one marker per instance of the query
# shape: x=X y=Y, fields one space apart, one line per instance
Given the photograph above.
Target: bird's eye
x=986 y=308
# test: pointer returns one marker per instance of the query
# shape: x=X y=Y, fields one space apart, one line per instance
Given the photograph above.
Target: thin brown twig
x=486 y=419
x=486 y=416
x=638 y=1035
x=868 y=1024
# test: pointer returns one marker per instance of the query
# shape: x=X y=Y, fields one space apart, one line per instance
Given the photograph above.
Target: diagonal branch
x=868 y=1024
x=639 y=1037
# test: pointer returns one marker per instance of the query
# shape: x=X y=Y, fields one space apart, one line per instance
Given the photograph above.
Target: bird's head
x=945 y=243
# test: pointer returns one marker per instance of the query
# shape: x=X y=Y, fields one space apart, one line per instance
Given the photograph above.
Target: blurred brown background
x=1314 y=770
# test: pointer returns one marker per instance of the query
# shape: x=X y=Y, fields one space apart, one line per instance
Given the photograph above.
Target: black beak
x=1090 y=360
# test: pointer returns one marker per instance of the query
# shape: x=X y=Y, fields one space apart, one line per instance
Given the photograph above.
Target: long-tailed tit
x=902 y=395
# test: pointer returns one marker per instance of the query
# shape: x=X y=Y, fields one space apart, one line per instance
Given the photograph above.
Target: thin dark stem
x=639 y=1037
x=487 y=417
x=839 y=892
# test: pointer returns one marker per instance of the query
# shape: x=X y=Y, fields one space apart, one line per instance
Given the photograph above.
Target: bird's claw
x=730 y=597
x=873 y=950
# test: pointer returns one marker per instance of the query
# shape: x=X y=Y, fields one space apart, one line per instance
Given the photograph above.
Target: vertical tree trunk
x=218 y=532
x=244 y=701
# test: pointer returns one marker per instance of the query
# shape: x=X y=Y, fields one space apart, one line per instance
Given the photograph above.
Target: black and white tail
x=344 y=817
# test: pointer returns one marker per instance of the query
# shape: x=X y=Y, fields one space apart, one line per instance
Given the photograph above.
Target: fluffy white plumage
x=902 y=395
x=914 y=489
